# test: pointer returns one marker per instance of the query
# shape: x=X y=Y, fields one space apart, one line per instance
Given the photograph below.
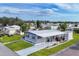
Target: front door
x=49 y=40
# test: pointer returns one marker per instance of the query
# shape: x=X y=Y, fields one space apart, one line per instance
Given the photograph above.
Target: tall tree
x=38 y=23
x=63 y=26
x=24 y=27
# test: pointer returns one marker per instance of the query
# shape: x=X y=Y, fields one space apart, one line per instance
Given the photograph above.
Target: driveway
x=33 y=49
x=4 y=51
x=70 y=51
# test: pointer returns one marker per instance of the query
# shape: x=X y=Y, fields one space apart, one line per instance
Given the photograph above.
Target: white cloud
x=65 y=6
x=37 y=11
x=68 y=6
x=46 y=12
x=55 y=9
x=9 y=9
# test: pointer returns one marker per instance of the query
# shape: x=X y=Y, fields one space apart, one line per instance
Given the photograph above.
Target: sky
x=41 y=11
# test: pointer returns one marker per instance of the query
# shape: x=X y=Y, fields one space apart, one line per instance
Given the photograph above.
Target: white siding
x=70 y=35
x=54 y=27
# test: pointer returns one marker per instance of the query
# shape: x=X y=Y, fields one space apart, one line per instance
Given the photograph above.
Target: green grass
x=15 y=42
x=46 y=52
x=18 y=45
x=6 y=38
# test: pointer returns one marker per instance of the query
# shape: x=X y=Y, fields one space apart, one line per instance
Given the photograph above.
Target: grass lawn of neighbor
x=5 y=39
x=15 y=42
x=21 y=44
x=46 y=52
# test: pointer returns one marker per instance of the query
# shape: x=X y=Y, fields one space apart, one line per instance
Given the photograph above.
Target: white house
x=54 y=27
x=32 y=28
x=73 y=26
x=40 y=36
x=11 y=30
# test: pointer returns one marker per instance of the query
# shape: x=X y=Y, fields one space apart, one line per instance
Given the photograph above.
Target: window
x=33 y=37
x=39 y=37
x=28 y=35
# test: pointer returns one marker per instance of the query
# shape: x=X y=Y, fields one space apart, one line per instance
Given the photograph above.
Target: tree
x=24 y=27
x=38 y=23
x=11 y=21
x=63 y=26
x=5 y=20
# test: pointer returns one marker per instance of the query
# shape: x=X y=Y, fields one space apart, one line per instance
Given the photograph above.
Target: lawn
x=46 y=52
x=6 y=38
x=18 y=45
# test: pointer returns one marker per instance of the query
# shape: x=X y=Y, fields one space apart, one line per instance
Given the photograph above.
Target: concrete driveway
x=33 y=49
x=4 y=51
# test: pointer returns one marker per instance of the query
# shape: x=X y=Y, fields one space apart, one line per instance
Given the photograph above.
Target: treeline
x=25 y=25
x=14 y=21
x=17 y=21
x=10 y=21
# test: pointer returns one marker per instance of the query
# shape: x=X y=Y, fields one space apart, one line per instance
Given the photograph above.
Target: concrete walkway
x=4 y=51
x=33 y=49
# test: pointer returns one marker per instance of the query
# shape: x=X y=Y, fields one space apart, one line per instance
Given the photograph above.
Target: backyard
x=14 y=42
x=46 y=52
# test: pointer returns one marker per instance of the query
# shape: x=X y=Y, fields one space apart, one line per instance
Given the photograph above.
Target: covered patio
x=56 y=38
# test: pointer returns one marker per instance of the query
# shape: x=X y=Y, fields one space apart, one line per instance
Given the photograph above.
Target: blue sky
x=41 y=11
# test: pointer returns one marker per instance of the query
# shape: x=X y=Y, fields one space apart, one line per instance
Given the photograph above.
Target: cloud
x=70 y=7
x=44 y=11
x=37 y=11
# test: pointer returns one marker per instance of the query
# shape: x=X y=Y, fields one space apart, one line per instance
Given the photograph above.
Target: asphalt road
x=70 y=51
x=4 y=51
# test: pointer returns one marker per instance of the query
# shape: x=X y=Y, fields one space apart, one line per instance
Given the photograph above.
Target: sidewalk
x=4 y=51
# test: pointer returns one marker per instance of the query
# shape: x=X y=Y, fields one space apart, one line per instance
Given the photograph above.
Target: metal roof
x=46 y=33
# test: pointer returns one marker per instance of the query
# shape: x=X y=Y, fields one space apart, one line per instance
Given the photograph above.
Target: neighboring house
x=70 y=25
x=42 y=36
x=33 y=26
x=50 y=25
x=11 y=30
x=73 y=26
x=1 y=27
x=54 y=26
x=44 y=26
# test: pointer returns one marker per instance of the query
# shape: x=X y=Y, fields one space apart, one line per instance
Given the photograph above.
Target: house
x=50 y=25
x=11 y=30
x=42 y=36
x=32 y=26
x=1 y=27
x=73 y=26
x=54 y=26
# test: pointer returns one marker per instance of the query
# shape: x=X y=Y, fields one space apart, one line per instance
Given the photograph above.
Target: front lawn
x=18 y=45
x=46 y=52
x=5 y=39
